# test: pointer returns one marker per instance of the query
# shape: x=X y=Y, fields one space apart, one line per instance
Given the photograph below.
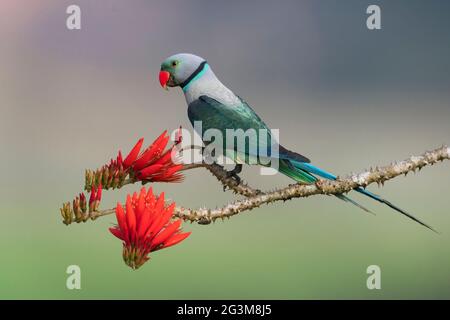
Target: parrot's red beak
x=163 y=78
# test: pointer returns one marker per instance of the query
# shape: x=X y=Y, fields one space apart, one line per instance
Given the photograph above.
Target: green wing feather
x=216 y=115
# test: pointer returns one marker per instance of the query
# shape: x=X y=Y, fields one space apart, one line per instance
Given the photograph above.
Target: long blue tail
x=322 y=173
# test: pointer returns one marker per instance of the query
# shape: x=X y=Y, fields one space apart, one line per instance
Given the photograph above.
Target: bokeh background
x=345 y=96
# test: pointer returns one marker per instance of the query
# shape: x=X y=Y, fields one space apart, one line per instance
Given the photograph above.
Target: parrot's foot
x=234 y=174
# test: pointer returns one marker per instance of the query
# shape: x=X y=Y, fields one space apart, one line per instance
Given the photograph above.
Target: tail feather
x=302 y=176
x=299 y=175
x=307 y=167
x=391 y=205
x=347 y=199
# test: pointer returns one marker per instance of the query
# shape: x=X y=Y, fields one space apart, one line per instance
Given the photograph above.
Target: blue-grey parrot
x=217 y=107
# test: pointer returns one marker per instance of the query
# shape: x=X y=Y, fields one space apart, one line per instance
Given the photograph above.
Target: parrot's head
x=179 y=69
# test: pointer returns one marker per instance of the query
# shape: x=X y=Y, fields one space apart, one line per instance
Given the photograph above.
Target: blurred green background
x=345 y=96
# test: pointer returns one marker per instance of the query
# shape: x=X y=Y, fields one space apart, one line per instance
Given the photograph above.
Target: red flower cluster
x=153 y=164
x=144 y=226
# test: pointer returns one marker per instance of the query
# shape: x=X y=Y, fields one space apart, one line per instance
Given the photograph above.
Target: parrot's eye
x=174 y=63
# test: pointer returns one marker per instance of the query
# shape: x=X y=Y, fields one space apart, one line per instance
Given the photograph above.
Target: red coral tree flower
x=154 y=164
x=144 y=227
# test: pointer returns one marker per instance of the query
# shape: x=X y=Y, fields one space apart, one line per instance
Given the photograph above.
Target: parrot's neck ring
x=195 y=75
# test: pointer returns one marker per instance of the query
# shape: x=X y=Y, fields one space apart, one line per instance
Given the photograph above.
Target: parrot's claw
x=234 y=174
x=235 y=177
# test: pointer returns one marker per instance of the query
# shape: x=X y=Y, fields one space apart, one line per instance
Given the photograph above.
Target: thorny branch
x=255 y=198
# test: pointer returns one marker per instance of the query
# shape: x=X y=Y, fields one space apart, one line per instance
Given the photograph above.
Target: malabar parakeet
x=217 y=107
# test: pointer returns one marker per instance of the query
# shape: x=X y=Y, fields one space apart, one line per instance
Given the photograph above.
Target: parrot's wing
x=216 y=115
x=284 y=153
